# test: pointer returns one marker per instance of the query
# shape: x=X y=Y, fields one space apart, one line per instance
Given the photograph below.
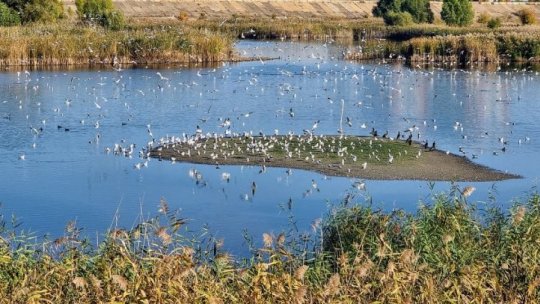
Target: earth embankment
x=215 y=9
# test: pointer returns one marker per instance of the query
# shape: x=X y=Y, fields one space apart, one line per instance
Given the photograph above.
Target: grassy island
x=364 y=157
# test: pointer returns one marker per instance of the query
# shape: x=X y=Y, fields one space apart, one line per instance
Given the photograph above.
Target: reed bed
x=467 y=48
x=211 y=41
x=449 y=251
x=461 y=49
x=294 y=29
x=476 y=48
x=68 y=44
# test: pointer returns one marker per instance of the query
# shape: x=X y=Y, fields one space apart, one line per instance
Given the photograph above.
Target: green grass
x=450 y=250
x=349 y=150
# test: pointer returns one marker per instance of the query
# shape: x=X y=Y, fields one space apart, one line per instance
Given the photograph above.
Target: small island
x=333 y=155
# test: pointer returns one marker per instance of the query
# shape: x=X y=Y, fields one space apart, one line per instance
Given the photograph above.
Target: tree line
x=99 y=12
x=406 y=12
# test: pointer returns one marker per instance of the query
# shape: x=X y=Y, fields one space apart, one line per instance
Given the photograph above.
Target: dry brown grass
x=68 y=44
x=447 y=252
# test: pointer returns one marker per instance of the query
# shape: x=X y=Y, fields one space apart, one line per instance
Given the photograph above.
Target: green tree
x=43 y=11
x=419 y=10
x=383 y=7
x=457 y=12
x=398 y=19
x=392 y=10
x=16 y=5
x=8 y=16
x=36 y=10
x=99 y=12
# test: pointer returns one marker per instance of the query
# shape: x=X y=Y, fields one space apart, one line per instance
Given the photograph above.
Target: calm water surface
x=68 y=175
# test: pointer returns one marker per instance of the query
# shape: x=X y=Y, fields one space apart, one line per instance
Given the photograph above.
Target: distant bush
x=114 y=20
x=527 y=16
x=457 y=12
x=100 y=12
x=483 y=18
x=8 y=16
x=43 y=11
x=33 y=10
x=383 y=7
x=418 y=10
x=16 y=5
x=494 y=23
x=398 y=19
x=182 y=16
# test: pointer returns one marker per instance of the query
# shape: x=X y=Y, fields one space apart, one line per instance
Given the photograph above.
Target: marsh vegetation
x=449 y=249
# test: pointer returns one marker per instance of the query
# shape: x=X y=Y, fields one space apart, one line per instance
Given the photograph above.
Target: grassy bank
x=68 y=44
x=448 y=251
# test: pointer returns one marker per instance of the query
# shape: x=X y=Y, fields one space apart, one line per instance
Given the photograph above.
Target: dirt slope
x=163 y=9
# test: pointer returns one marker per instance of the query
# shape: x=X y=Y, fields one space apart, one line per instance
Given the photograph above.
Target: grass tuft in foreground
x=449 y=251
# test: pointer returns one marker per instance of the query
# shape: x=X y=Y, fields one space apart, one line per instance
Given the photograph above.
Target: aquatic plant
x=449 y=250
x=66 y=44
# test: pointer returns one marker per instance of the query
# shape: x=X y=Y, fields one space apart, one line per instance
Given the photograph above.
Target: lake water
x=68 y=175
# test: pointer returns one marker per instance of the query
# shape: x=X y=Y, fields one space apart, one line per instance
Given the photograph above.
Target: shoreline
x=434 y=165
x=212 y=42
x=130 y=65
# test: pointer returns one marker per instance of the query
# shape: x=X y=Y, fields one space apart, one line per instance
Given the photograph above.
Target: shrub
x=43 y=11
x=383 y=7
x=8 y=16
x=100 y=12
x=398 y=19
x=16 y=5
x=419 y=11
x=483 y=18
x=457 y=12
x=494 y=23
x=183 y=16
x=527 y=16
x=114 y=20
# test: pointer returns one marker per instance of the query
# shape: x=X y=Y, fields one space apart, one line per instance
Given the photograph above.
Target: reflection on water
x=63 y=123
